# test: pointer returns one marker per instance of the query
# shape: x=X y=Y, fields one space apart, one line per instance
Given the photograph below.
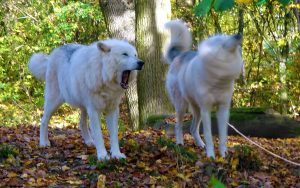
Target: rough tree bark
x=150 y=18
x=120 y=20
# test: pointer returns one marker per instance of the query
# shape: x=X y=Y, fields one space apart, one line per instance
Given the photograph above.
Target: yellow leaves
x=281 y=42
x=28 y=162
x=150 y=165
x=163 y=148
x=75 y=182
x=158 y=161
x=245 y=2
x=294 y=5
x=24 y=176
x=11 y=159
x=65 y=168
x=60 y=137
x=220 y=159
x=40 y=164
x=234 y=163
x=101 y=181
x=11 y=174
x=183 y=177
x=143 y=165
x=83 y=157
x=132 y=142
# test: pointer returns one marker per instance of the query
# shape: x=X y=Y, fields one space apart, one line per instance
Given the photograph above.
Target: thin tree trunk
x=282 y=68
x=296 y=12
x=150 y=18
x=120 y=20
x=241 y=20
x=215 y=17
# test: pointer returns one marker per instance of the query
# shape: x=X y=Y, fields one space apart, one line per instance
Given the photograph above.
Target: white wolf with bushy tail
x=202 y=79
x=92 y=78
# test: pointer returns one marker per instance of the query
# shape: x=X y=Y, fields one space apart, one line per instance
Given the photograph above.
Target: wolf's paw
x=223 y=151
x=180 y=142
x=103 y=156
x=200 y=143
x=44 y=143
x=210 y=153
x=118 y=155
x=89 y=142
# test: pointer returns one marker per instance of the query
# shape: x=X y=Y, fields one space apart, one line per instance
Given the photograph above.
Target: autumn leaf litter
x=152 y=160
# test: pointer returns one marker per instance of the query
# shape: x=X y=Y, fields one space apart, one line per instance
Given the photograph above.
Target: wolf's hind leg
x=52 y=102
x=194 y=128
x=180 y=107
x=85 y=133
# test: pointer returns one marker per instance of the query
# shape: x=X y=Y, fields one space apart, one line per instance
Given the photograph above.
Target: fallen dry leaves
x=152 y=161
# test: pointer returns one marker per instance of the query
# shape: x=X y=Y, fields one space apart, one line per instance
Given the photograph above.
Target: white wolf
x=201 y=79
x=92 y=78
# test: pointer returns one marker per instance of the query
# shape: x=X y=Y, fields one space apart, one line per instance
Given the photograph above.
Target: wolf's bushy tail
x=38 y=65
x=181 y=39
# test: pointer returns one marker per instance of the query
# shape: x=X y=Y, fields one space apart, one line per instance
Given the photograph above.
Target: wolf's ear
x=103 y=47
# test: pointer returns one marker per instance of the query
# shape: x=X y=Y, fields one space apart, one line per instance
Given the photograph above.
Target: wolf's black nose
x=140 y=63
x=238 y=36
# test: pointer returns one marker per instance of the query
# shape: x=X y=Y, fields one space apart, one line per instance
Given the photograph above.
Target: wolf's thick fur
x=92 y=78
x=202 y=79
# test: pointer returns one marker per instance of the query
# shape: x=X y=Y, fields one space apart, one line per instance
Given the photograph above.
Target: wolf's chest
x=107 y=100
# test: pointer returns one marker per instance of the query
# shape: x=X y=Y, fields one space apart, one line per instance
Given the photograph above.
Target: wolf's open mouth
x=125 y=79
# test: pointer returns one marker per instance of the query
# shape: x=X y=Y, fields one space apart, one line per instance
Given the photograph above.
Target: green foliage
x=6 y=151
x=38 y=26
x=179 y=150
x=155 y=120
x=222 y=5
x=261 y=2
x=215 y=183
x=203 y=7
x=284 y=2
x=110 y=165
x=246 y=158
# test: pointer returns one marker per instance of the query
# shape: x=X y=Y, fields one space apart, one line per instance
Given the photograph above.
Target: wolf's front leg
x=97 y=134
x=112 y=123
x=85 y=132
x=206 y=119
x=223 y=116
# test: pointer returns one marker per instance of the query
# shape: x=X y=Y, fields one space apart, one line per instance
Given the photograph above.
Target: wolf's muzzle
x=140 y=65
x=238 y=36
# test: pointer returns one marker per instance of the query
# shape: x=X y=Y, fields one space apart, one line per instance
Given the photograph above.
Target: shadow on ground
x=254 y=122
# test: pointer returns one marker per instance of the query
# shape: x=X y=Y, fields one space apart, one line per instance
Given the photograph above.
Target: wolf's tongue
x=125 y=78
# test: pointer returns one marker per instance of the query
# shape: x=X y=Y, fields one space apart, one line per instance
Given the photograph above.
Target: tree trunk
x=120 y=20
x=150 y=18
x=296 y=12
x=283 y=69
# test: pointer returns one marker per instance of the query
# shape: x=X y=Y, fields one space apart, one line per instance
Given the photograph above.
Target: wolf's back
x=38 y=65
x=181 y=39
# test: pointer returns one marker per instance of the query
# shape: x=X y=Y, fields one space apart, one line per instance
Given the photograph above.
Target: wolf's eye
x=125 y=54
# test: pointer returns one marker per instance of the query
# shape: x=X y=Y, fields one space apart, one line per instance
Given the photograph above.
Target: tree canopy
x=270 y=47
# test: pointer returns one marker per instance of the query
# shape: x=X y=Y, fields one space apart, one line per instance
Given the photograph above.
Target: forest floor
x=153 y=160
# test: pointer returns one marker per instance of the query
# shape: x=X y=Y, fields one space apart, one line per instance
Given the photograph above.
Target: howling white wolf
x=201 y=79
